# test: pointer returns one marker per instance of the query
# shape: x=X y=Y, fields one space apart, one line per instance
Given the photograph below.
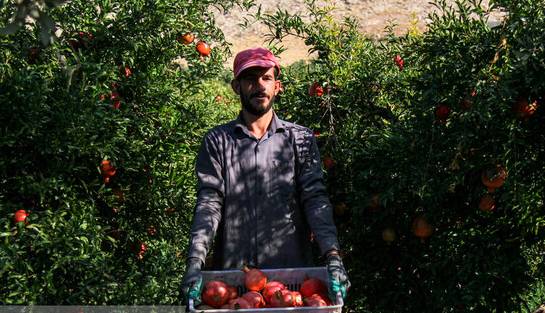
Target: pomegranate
x=239 y=303
x=203 y=48
x=233 y=293
x=311 y=286
x=215 y=294
x=316 y=90
x=116 y=104
x=487 y=203
x=421 y=228
x=254 y=298
x=523 y=109
x=106 y=166
x=328 y=162
x=494 y=178
x=254 y=279
x=114 y=96
x=126 y=71
x=20 y=216
x=282 y=299
x=186 y=38
x=81 y=40
x=297 y=298
x=141 y=248
x=107 y=170
x=270 y=288
x=315 y=300
x=442 y=112
x=398 y=60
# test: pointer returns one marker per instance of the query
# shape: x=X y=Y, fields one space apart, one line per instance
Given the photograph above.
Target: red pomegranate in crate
x=297 y=298
x=282 y=299
x=233 y=293
x=254 y=298
x=312 y=286
x=215 y=294
x=270 y=288
x=254 y=279
x=239 y=303
x=316 y=300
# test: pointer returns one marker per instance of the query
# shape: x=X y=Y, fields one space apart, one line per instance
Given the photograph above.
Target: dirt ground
x=372 y=15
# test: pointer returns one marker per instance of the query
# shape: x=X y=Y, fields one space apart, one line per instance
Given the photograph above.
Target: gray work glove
x=338 y=278
x=192 y=281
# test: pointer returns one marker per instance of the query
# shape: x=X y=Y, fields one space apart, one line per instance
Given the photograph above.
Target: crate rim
x=285 y=269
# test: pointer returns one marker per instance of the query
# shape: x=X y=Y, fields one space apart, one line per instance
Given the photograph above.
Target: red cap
x=255 y=57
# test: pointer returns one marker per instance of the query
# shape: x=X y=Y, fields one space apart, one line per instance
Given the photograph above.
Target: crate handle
x=340 y=299
x=190 y=306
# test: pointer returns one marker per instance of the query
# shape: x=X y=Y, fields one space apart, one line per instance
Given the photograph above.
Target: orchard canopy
x=433 y=146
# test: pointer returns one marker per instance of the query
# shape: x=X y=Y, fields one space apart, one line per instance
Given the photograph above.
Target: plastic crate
x=291 y=277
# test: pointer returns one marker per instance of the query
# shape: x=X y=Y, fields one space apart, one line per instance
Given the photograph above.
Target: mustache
x=258 y=94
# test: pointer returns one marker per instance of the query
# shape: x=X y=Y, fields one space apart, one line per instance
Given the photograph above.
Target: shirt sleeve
x=210 y=195
x=313 y=194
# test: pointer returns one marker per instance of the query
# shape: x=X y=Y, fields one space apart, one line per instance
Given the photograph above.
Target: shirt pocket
x=282 y=196
x=281 y=180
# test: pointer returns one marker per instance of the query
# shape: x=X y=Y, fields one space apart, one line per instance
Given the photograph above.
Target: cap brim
x=256 y=63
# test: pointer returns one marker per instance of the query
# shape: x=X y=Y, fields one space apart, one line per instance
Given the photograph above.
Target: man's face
x=257 y=88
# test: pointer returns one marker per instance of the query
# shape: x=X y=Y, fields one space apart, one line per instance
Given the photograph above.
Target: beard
x=255 y=109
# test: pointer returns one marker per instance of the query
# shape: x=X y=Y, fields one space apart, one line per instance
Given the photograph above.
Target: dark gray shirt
x=262 y=197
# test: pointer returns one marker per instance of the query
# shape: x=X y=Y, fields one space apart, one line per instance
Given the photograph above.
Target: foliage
x=116 y=84
x=409 y=125
x=397 y=158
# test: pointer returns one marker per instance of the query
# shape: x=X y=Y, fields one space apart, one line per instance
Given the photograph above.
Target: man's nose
x=260 y=84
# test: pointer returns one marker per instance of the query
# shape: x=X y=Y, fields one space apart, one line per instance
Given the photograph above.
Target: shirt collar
x=276 y=125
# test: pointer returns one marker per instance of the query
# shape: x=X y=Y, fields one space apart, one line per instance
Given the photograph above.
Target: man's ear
x=278 y=88
x=235 y=84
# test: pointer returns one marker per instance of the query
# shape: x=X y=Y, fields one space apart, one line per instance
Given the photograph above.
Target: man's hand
x=338 y=278
x=192 y=281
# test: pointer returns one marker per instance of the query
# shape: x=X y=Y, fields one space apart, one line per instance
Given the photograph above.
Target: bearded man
x=261 y=192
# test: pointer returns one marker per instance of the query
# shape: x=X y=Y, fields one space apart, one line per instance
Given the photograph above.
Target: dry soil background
x=372 y=15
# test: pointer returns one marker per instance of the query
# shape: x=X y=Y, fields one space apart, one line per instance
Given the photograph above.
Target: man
x=260 y=187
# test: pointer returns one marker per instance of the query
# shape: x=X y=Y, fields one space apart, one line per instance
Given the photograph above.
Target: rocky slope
x=372 y=15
